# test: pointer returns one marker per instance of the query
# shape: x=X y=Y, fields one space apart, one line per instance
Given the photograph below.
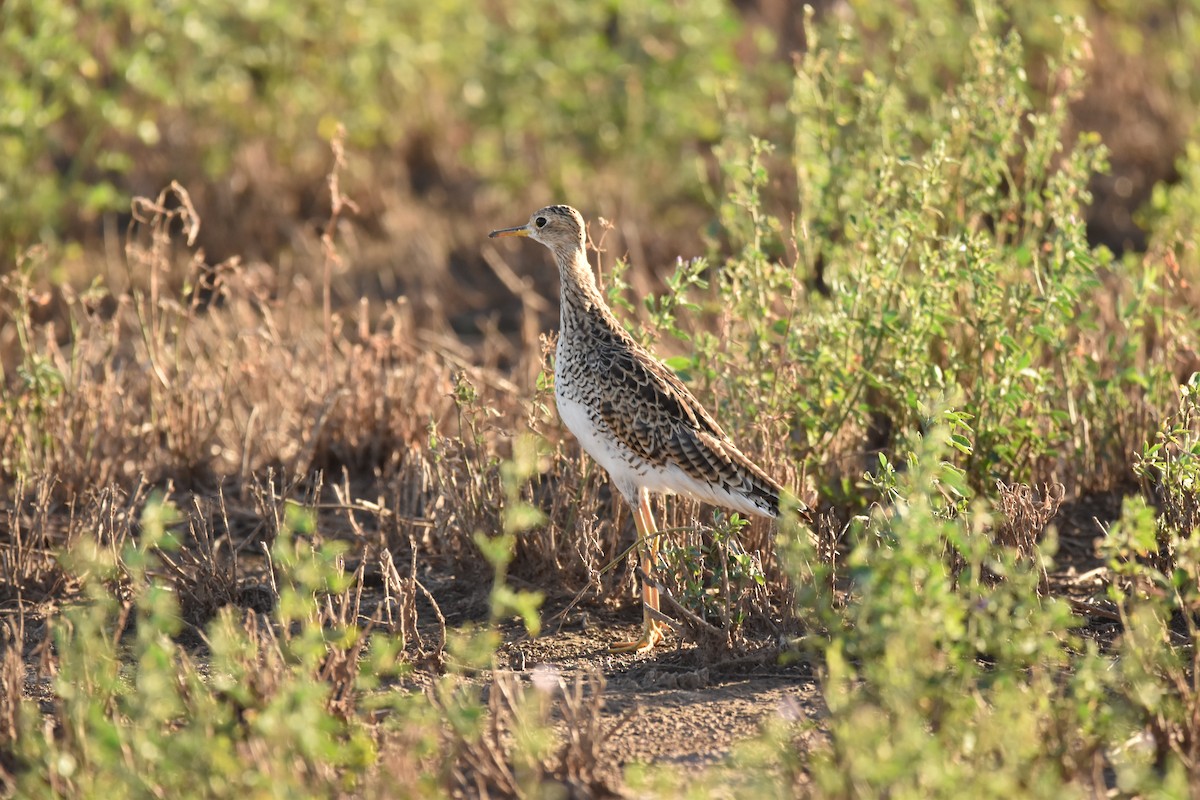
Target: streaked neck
x=579 y=291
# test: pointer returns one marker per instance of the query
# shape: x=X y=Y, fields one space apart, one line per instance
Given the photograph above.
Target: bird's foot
x=652 y=634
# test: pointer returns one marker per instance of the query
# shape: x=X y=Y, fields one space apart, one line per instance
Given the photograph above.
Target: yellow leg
x=648 y=551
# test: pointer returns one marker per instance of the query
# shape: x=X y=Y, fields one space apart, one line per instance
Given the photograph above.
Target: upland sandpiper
x=632 y=414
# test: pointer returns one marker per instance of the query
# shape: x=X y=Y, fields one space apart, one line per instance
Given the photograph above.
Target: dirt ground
x=680 y=710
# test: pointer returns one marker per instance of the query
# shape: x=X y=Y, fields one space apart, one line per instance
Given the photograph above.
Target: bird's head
x=558 y=227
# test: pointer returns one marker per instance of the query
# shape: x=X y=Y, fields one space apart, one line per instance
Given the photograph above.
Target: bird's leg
x=648 y=551
x=649 y=536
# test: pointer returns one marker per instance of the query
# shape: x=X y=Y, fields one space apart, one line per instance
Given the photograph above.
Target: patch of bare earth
x=675 y=708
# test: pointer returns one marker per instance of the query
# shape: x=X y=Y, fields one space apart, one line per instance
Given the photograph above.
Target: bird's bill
x=520 y=230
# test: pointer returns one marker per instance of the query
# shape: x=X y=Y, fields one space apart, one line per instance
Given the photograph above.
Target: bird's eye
x=540 y=222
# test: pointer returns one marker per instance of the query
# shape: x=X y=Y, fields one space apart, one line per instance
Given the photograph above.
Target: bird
x=632 y=414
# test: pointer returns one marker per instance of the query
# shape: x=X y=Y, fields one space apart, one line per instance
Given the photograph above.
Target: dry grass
x=576 y=766
x=218 y=386
x=1026 y=515
x=12 y=690
x=234 y=391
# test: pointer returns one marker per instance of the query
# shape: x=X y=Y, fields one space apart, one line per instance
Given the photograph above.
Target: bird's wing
x=653 y=413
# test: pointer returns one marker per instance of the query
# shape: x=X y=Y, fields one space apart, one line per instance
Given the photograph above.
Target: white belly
x=620 y=464
x=630 y=473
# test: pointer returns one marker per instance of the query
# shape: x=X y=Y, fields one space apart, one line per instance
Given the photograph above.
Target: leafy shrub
x=940 y=681
x=931 y=259
x=1154 y=557
x=1169 y=468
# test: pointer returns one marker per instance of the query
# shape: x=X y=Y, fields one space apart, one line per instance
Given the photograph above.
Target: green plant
x=1169 y=468
x=719 y=580
x=899 y=314
x=1157 y=597
x=101 y=97
x=960 y=265
x=940 y=681
x=1154 y=555
x=136 y=713
x=573 y=85
x=931 y=259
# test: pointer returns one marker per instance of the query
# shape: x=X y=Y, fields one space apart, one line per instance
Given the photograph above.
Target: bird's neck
x=579 y=294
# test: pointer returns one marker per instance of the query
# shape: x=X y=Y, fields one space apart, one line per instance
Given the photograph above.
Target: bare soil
x=680 y=709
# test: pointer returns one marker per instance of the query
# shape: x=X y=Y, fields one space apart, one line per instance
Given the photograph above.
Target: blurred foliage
x=285 y=703
x=1164 y=28
x=562 y=87
x=619 y=101
x=1173 y=216
x=93 y=86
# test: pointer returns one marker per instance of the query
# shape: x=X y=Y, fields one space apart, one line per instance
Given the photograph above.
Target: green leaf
x=679 y=363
